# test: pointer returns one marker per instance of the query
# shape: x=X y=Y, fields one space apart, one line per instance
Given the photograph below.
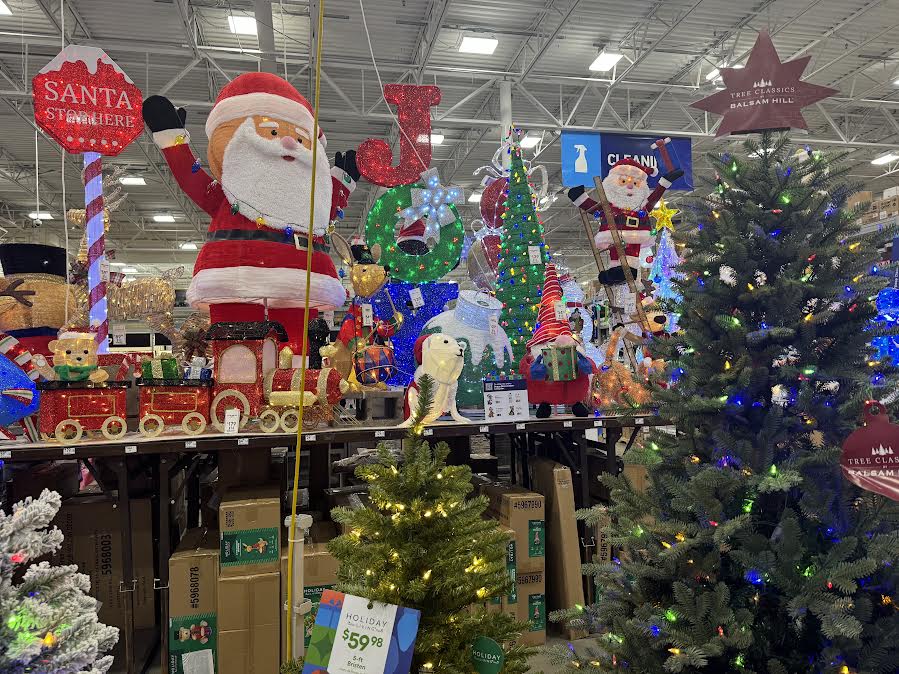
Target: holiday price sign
x=86 y=102
x=355 y=636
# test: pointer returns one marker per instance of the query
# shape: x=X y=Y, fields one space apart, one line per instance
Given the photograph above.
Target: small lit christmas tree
x=48 y=622
x=519 y=280
x=663 y=275
x=424 y=544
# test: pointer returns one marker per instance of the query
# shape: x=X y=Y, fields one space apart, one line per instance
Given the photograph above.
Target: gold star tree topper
x=664 y=215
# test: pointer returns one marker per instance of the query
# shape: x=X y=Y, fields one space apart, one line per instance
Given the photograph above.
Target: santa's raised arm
x=258 y=197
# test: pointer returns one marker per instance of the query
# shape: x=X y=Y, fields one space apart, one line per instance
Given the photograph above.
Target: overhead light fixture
x=605 y=61
x=163 y=217
x=132 y=180
x=474 y=198
x=129 y=270
x=529 y=141
x=436 y=138
x=242 y=25
x=885 y=159
x=716 y=73
x=188 y=245
x=117 y=264
x=4 y=8
x=43 y=215
x=478 y=45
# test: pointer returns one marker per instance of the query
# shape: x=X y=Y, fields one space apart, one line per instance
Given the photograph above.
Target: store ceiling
x=186 y=49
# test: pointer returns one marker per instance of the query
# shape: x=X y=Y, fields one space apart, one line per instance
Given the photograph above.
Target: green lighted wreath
x=380 y=228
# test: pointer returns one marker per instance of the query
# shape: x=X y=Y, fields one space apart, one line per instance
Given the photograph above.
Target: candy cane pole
x=98 y=317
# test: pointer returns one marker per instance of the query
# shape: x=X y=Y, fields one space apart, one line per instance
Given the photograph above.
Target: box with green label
x=250 y=526
x=532 y=607
x=193 y=617
x=524 y=512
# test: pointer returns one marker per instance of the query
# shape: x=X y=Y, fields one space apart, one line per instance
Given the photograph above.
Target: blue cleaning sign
x=587 y=154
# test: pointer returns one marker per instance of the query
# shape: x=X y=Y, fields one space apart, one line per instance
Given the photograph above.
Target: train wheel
x=290 y=420
x=68 y=430
x=225 y=400
x=114 y=428
x=269 y=420
x=193 y=423
x=151 y=425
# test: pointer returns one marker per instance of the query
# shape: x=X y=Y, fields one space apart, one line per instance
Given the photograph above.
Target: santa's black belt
x=262 y=235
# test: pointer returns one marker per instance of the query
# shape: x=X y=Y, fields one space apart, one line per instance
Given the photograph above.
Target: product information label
x=119 y=337
x=353 y=636
x=537 y=612
x=232 y=420
x=536 y=538
x=368 y=315
x=415 y=297
x=505 y=400
x=534 y=256
x=192 y=644
x=329 y=319
x=249 y=546
x=561 y=310
x=493 y=323
x=512 y=597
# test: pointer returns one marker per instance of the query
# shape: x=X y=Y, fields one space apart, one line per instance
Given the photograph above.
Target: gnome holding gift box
x=258 y=196
x=556 y=367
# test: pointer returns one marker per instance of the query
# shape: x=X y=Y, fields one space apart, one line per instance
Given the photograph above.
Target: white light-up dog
x=441 y=357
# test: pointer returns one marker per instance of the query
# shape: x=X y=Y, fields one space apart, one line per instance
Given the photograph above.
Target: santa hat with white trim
x=651 y=171
x=261 y=94
x=548 y=326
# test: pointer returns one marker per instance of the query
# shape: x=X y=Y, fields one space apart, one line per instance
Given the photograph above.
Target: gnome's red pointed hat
x=548 y=326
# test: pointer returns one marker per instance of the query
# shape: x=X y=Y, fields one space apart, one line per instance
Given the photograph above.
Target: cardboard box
x=92 y=539
x=860 y=198
x=249 y=624
x=563 y=563
x=524 y=512
x=887 y=193
x=603 y=553
x=638 y=476
x=193 y=616
x=532 y=607
x=250 y=526
x=319 y=574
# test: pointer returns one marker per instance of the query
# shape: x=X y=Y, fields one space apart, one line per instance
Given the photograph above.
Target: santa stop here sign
x=86 y=102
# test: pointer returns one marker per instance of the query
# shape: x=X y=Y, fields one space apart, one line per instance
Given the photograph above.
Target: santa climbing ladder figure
x=631 y=199
x=260 y=156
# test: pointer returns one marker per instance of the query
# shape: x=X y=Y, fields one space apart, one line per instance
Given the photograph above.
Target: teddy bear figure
x=74 y=359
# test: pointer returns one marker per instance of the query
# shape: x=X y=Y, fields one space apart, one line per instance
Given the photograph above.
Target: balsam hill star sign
x=766 y=94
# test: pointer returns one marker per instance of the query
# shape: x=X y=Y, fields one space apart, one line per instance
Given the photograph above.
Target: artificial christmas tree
x=663 y=274
x=522 y=257
x=423 y=544
x=48 y=623
x=748 y=551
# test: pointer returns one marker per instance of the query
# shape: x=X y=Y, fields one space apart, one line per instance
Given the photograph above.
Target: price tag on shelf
x=232 y=421
x=567 y=424
x=309 y=437
x=493 y=323
x=484 y=429
x=68 y=451
x=5 y=454
x=561 y=310
x=380 y=434
x=639 y=421
x=130 y=449
x=519 y=427
x=329 y=319
x=354 y=636
x=534 y=256
x=428 y=432
x=368 y=315
x=243 y=442
x=597 y=423
x=190 y=444
x=119 y=337
x=415 y=297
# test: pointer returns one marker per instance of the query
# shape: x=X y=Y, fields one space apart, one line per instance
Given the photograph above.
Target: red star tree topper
x=766 y=94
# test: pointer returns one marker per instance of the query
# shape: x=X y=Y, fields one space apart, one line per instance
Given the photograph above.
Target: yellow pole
x=309 y=244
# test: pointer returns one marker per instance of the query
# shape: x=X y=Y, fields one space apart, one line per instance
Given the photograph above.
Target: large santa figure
x=253 y=263
x=631 y=199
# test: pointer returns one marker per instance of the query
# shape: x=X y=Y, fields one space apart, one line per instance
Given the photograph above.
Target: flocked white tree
x=48 y=622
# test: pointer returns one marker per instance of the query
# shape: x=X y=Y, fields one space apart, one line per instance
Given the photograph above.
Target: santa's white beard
x=618 y=196
x=256 y=176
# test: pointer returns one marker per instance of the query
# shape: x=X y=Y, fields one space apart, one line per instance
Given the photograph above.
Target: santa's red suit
x=246 y=266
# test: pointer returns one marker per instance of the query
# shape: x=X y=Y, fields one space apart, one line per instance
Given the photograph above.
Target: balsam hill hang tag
x=870 y=456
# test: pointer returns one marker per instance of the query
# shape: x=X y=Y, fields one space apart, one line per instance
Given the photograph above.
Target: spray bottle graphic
x=580 y=164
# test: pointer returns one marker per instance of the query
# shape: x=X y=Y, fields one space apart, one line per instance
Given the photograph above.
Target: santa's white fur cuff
x=171 y=137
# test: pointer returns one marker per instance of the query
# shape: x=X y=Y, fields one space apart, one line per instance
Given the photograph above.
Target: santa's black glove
x=668 y=179
x=347 y=162
x=575 y=193
x=161 y=115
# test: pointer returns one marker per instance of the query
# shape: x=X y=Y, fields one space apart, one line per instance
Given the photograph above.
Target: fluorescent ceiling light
x=530 y=141
x=132 y=180
x=188 y=245
x=43 y=215
x=163 y=217
x=605 y=61
x=436 y=138
x=243 y=25
x=474 y=198
x=716 y=73
x=129 y=270
x=4 y=9
x=478 y=45
x=885 y=159
x=116 y=264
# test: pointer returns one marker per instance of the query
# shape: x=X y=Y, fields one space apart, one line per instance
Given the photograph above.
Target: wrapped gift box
x=561 y=363
x=160 y=368
x=193 y=372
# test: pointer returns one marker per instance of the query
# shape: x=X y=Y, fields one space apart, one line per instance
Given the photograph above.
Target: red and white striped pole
x=98 y=314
